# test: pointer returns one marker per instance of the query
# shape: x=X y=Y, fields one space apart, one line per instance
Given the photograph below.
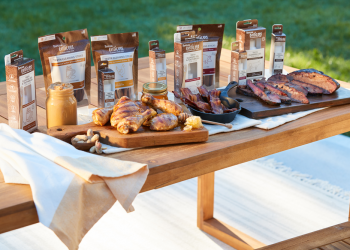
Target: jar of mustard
x=158 y=90
x=61 y=105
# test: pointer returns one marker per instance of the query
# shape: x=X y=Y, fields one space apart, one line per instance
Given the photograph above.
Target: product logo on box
x=192 y=47
x=255 y=35
x=280 y=39
x=26 y=69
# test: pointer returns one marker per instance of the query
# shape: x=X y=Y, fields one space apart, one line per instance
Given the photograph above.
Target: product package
x=212 y=36
x=121 y=52
x=254 y=38
x=21 y=92
x=278 y=47
x=105 y=86
x=188 y=57
x=157 y=62
x=65 y=57
x=238 y=71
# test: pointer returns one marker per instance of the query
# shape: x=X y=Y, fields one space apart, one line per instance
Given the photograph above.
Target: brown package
x=253 y=38
x=238 y=70
x=278 y=47
x=65 y=57
x=157 y=62
x=21 y=91
x=212 y=36
x=121 y=51
x=188 y=58
x=105 y=86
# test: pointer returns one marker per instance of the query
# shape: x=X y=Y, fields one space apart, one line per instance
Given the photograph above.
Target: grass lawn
x=318 y=32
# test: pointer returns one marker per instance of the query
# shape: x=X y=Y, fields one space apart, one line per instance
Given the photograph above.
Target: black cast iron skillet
x=225 y=100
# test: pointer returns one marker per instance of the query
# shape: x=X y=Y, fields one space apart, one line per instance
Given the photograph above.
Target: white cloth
x=240 y=122
x=71 y=189
x=275 y=121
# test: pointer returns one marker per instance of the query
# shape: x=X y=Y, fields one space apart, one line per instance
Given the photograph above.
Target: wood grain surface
x=143 y=137
x=175 y=163
x=331 y=238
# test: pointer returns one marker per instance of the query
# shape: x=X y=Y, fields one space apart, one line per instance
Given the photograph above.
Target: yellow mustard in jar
x=61 y=105
x=158 y=90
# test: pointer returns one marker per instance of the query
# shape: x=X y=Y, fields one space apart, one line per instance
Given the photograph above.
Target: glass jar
x=61 y=105
x=158 y=90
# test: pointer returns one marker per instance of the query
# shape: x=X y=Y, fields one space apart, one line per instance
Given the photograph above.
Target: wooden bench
x=332 y=238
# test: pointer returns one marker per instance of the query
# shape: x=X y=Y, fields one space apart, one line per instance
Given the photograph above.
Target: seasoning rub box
x=20 y=84
x=238 y=71
x=278 y=47
x=254 y=38
x=188 y=57
x=106 y=87
x=157 y=62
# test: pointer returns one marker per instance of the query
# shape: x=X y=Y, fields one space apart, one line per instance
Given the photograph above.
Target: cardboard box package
x=188 y=58
x=21 y=91
x=157 y=62
x=278 y=47
x=105 y=85
x=238 y=70
x=253 y=38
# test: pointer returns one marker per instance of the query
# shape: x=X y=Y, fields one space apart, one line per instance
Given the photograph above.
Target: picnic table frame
x=175 y=163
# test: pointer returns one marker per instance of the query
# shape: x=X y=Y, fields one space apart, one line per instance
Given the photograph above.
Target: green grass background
x=318 y=32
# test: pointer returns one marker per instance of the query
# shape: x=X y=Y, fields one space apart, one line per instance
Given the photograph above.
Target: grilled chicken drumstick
x=101 y=116
x=133 y=123
x=164 y=122
x=164 y=105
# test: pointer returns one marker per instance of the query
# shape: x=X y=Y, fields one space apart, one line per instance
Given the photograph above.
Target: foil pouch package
x=65 y=57
x=212 y=36
x=121 y=52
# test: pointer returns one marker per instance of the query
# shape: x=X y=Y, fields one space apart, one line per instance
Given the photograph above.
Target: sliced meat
x=243 y=90
x=311 y=89
x=203 y=105
x=274 y=90
x=215 y=93
x=260 y=85
x=298 y=87
x=294 y=94
x=196 y=98
x=186 y=92
x=315 y=77
x=204 y=92
x=272 y=100
x=216 y=105
x=278 y=77
x=285 y=99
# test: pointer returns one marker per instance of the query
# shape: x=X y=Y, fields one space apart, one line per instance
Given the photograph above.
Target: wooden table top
x=172 y=164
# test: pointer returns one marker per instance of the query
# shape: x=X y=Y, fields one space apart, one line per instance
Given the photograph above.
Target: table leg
x=214 y=227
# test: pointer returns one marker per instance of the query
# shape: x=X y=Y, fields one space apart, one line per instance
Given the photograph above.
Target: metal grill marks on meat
x=101 y=116
x=294 y=94
x=164 y=122
x=315 y=77
x=164 y=105
x=124 y=108
x=311 y=89
x=133 y=123
x=262 y=95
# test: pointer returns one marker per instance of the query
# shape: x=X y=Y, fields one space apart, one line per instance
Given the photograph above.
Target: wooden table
x=172 y=164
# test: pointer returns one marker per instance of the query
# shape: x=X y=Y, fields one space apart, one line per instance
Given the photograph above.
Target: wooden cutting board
x=144 y=137
x=254 y=108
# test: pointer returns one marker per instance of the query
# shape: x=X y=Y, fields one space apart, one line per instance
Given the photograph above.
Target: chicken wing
x=164 y=122
x=124 y=108
x=101 y=116
x=133 y=123
x=166 y=106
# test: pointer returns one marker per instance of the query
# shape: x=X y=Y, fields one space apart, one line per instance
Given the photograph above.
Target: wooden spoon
x=227 y=125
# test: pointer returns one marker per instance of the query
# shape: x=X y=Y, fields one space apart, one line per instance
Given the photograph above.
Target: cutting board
x=144 y=137
x=254 y=108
